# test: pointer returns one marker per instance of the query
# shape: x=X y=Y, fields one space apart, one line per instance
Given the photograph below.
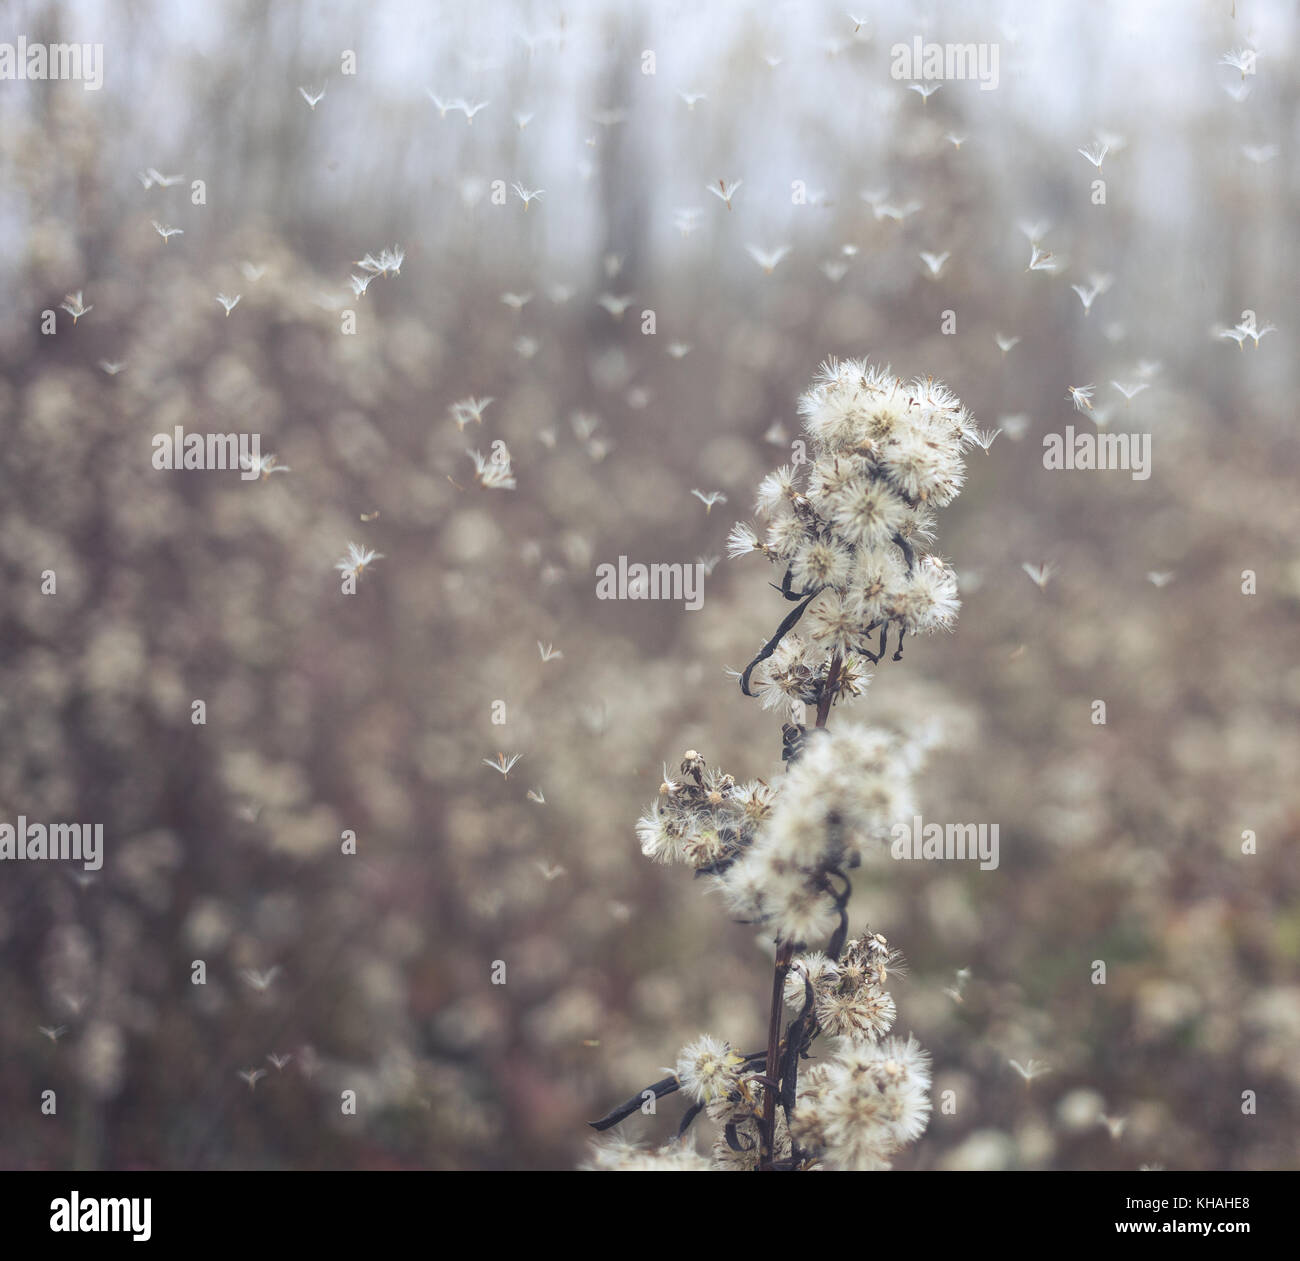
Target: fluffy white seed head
x=858 y=519
x=861 y=1106
x=618 y=1154
x=708 y=1069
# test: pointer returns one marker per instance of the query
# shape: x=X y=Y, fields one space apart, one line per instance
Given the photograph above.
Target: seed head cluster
x=850 y=527
x=779 y=857
x=852 y=524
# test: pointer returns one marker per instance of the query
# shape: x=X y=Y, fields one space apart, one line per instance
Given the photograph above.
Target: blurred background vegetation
x=373 y=712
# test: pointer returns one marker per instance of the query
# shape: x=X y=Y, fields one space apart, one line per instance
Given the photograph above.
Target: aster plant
x=849 y=525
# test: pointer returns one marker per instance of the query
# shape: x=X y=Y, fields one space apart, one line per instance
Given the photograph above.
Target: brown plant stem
x=784 y=953
x=828 y=691
x=767 y=1135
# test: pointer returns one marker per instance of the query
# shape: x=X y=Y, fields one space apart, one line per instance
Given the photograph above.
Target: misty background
x=372 y=714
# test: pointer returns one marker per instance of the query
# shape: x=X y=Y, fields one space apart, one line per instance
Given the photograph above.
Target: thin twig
x=665 y=1086
x=784 y=953
x=796 y=1042
x=691 y=1113
x=906 y=548
x=828 y=691
x=772 y=644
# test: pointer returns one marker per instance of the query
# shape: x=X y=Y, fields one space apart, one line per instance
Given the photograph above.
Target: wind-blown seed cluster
x=704 y=818
x=851 y=535
x=852 y=524
x=775 y=852
x=864 y=1103
x=845 y=791
x=779 y=857
x=853 y=1109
